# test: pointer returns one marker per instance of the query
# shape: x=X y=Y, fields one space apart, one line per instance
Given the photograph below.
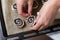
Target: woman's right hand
x=20 y=9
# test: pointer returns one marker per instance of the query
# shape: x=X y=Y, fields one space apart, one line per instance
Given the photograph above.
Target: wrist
x=58 y=1
x=54 y=3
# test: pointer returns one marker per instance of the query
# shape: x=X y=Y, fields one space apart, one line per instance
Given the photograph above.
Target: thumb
x=30 y=5
x=19 y=6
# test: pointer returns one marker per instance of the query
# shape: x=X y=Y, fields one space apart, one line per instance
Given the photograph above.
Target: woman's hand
x=46 y=15
x=20 y=7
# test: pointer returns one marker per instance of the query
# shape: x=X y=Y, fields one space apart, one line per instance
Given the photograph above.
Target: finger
x=30 y=5
x=19 y=7
x=42 y=27
x=35 y=21
x=36 y=26
x=37 y=18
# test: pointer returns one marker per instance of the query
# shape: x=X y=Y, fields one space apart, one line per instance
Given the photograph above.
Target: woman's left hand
x=46 y=15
